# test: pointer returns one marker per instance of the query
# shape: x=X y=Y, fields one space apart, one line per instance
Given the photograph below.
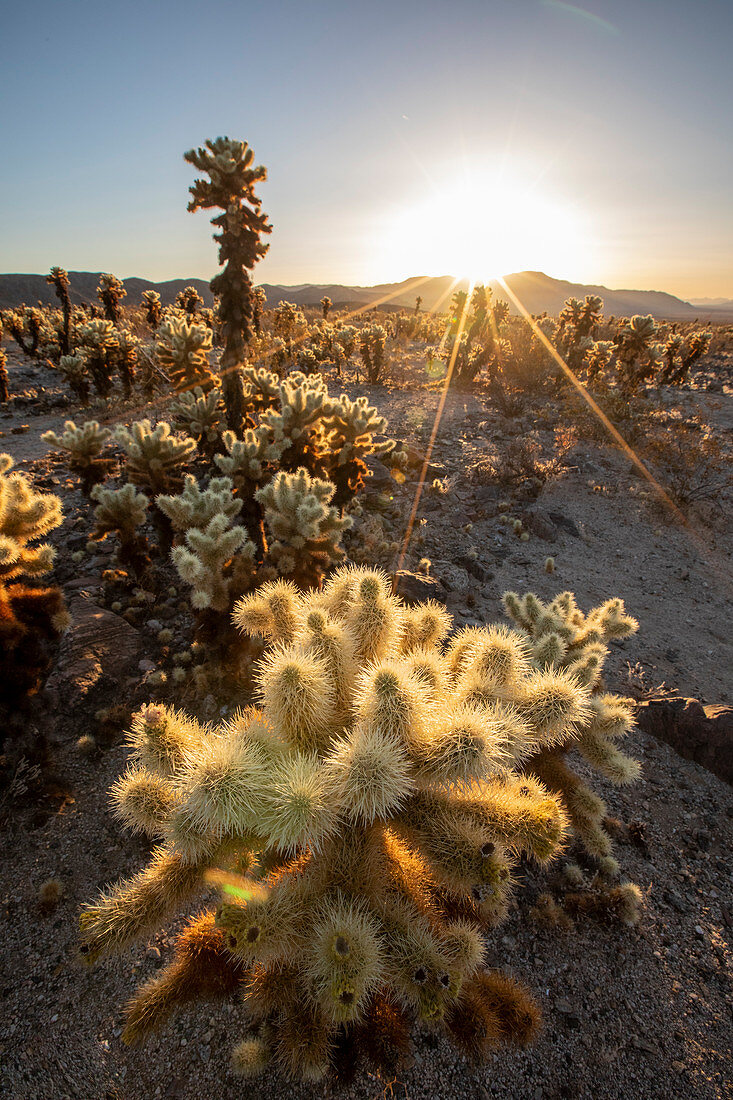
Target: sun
x=483 y=225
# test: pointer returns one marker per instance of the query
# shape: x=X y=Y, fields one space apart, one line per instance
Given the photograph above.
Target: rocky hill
x=538 y=292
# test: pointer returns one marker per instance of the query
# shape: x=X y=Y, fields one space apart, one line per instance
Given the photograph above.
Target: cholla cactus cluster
x=196 y=507
x=301 y=425
x=363 y=823
x=563 y=639
x=24 y=325
x=638 y=353
x=679 y=355
x=31 y=616
x=98 y=345
x=74 y=369
x=198 y=415
x=476 y=342
x=182 y=351
x=221 y=561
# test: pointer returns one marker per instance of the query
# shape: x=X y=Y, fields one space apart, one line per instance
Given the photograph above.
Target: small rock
x=700 y=733
x=565 y=523
x=416 y=587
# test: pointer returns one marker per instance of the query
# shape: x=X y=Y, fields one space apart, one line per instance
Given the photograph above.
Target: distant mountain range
x=538 y=292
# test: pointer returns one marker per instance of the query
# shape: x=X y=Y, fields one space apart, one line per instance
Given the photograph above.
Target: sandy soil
x=629 y=1013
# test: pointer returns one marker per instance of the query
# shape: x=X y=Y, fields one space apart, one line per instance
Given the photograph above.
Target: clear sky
x=592 y=141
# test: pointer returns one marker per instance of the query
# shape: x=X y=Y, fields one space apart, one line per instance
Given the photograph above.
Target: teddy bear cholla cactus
x=4 y=393
x=74 y=369
x=110 y=292
x=30 y=617
x=364 y=822
x=154 y=455
x=123 y=511
x=305 y=529
x=182 y=351
x=84 y=447
x=219 y=560
x=153 y=307
x=564 y=639
x=199 y=415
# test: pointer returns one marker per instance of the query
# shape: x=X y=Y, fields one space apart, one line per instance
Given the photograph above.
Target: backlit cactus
x=189 y=300
x=59 y=278
x=638 y=355
x=231 y=187
x=305 y=529
x=199 y=415
x=153 y=308
x=4 y=393
x=154 y=455
x=362 y=823
x=196 y=507
x=679 y=355
x=110 y=292
x=372 y=342
x=182 y=351
x=84 y=447
x=565 y=640
x=98 y=342
x=31 y=616
x=123 y=511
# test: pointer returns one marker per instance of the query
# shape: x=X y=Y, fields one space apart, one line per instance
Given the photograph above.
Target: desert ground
x=629 y=1012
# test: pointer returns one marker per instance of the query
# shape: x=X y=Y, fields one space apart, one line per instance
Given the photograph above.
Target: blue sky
x=612 y=120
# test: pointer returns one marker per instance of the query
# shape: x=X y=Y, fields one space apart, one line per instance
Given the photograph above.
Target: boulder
x=417 y=587
x=697 y=732
x=96 y=653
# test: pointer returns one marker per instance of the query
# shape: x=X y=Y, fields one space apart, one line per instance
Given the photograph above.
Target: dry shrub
x=525 y=465
x=690 y=462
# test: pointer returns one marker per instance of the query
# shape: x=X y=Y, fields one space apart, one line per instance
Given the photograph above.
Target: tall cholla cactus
x=74 y=369
x=259 y=303
x=59 y=278
x=153 y=307
x=110 y=292
x=363 y=826
x=326 y=304
x=564 y=639
x=189 y=300
x=182 y=350
x=231 y=184
x=31 y=616
x=98 y=343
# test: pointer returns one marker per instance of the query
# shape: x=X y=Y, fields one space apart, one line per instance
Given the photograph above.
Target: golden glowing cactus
x=362 y=822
